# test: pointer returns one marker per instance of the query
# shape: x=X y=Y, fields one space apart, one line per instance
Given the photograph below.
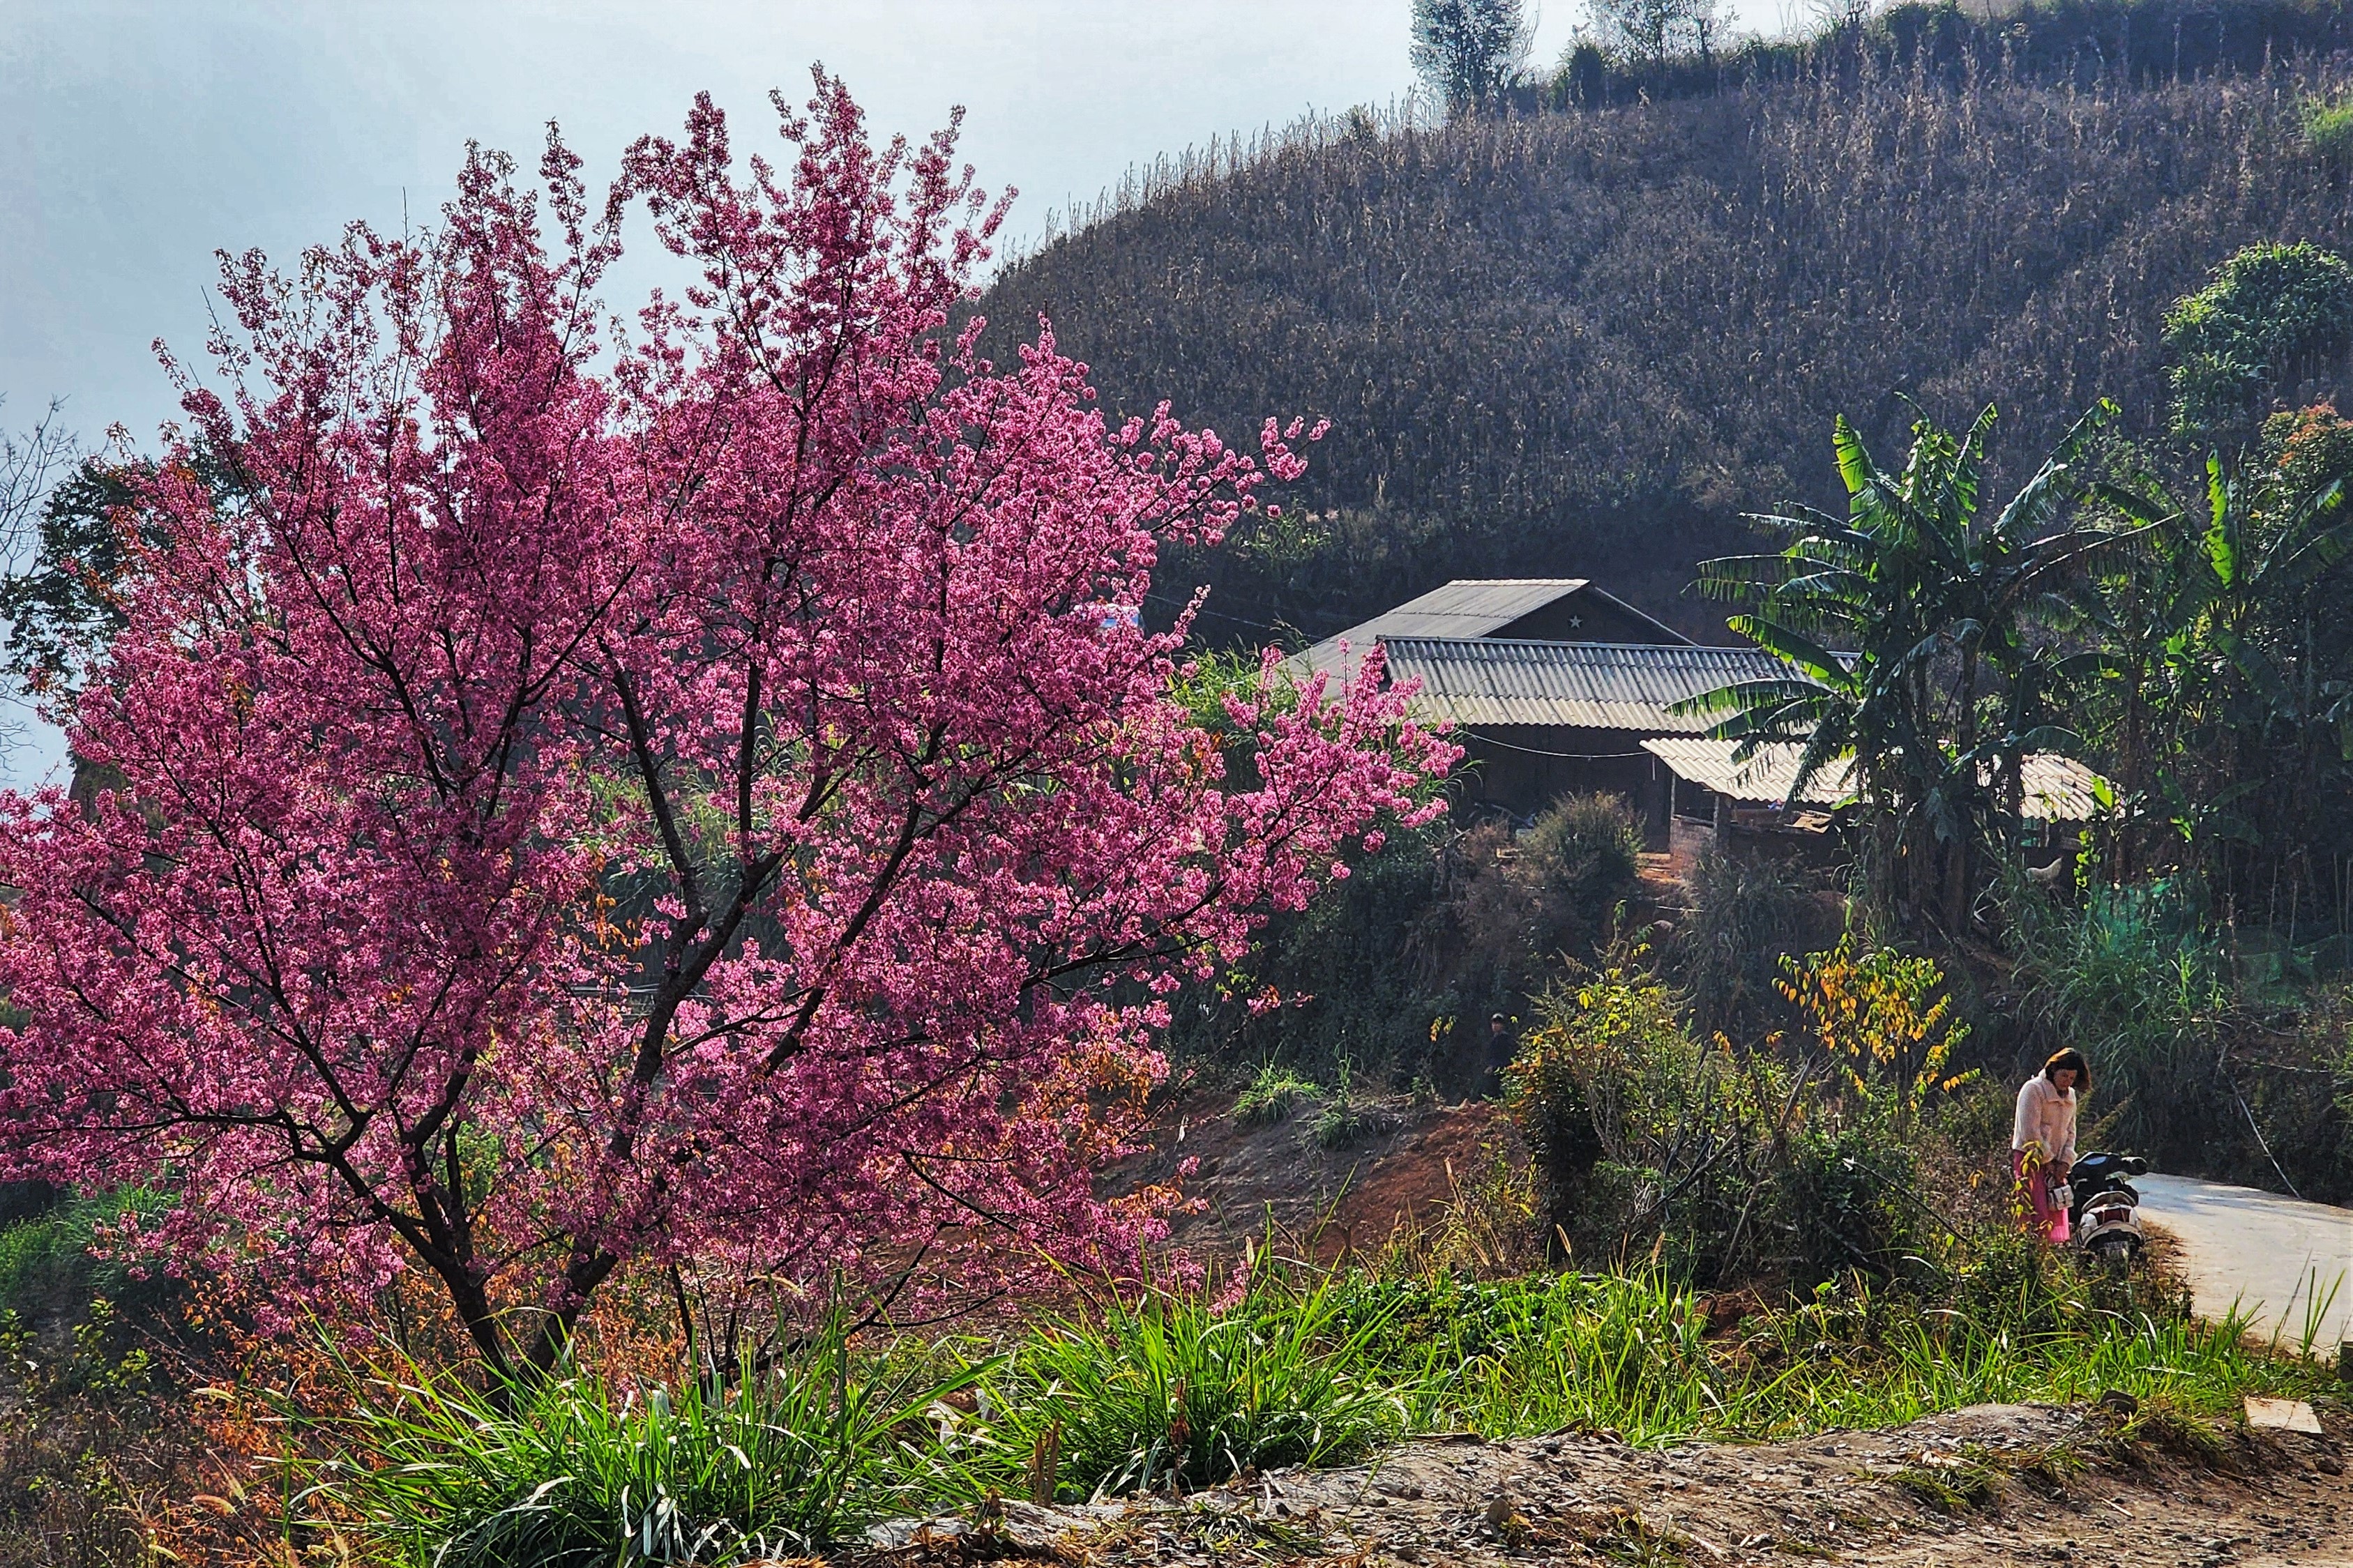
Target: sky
x=138 y=138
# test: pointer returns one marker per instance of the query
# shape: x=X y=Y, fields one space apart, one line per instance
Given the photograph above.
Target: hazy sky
x=135 y=139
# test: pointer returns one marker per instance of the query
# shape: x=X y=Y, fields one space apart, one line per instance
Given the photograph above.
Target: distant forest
x=1581 y=338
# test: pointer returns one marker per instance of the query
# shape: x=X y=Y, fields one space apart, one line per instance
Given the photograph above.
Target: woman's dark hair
x=2071 y=1057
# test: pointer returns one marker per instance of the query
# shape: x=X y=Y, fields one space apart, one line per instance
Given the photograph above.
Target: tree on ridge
x=1470 y=52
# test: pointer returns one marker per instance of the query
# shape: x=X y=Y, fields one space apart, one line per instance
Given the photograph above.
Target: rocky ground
x=1990 y=1484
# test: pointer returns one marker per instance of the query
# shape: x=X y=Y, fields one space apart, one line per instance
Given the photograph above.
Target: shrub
x=1578 y=861
x=1547 y=1097
x=2328 y=126
x=1746 y=917
x=47 y=1268
x=1646 y=1136
x=1845 y=1191
x=1360 y=973
x=2269 y=310
x=1884 y=1022
x=1439 y=924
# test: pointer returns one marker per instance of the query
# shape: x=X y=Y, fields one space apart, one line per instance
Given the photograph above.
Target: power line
x=1541 y=751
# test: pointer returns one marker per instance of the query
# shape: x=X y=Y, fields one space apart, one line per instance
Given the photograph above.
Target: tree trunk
x=1960 y=861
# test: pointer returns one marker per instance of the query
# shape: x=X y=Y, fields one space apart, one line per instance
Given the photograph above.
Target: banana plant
x=2220 y=661
x=1897 y=624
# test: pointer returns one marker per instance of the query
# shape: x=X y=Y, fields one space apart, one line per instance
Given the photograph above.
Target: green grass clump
x=1344 y=1121
x=2328 y=126
x=1172 y=1392
x=2164 y=1425
x=570 y=1472
x=1954 y=1488
x=1273 y=1096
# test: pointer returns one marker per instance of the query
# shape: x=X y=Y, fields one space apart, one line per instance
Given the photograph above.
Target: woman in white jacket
x=2043 y=1138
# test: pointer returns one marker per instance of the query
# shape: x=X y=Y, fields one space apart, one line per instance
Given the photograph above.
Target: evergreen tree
x=1470 y=51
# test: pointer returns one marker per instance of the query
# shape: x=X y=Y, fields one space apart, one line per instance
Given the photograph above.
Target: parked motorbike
x=2103 y=1207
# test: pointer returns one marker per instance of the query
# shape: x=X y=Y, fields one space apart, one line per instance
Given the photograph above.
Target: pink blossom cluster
x=588 y=794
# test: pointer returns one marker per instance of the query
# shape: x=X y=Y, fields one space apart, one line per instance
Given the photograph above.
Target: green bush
x=47 y=1269
x=1579 y=860
x=1349 y=975
x=1546 y=1094
x=569 y=1472
x=1746 y=917
x=1647 y=1138
x=1440 y=924
x=1845 y=1193
x=2269 y=313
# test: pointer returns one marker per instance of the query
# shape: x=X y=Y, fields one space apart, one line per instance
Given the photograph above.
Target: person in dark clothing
x=1501 y=1047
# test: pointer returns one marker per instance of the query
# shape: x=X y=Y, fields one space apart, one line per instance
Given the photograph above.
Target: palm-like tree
x=2224 y=664
x=1905 y=629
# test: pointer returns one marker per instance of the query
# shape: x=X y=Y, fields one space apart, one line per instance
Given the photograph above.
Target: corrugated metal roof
x=1764 y=778
x=1471 y=606
x=2053 y=788
x=1465 y=607
x=2059 y=789
x=1594 y=685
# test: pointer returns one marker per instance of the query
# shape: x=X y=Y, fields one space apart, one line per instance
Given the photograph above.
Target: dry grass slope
x=1586 y=342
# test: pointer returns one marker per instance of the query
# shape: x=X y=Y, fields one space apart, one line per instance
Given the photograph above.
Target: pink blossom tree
x=589 y=797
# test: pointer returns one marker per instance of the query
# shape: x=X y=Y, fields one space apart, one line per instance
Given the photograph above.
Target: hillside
x=1583 y=342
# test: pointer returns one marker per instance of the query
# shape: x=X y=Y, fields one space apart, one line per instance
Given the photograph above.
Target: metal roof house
x=1554 y=687
x=1544 y=609
x=2056 y=794
x=1499 y=683
x=1543 y=718
x=2052 y=788
x=1522 y=668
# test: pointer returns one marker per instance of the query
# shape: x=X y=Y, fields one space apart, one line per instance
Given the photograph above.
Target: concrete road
x=2273 y=1255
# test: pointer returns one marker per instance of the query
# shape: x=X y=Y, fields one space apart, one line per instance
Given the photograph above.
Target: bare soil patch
x=1400 y=1169
x=1988 y=1484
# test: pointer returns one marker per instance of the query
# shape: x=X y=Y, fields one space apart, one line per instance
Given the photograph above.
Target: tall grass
x=571 y=1472
x=1176 y=1392
x=1173 y=1391
x=2132 y=981
x=1636 y=1355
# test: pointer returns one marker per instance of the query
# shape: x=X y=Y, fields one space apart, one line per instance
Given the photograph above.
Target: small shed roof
x=2059 y=789
x=1593 y=686
x=1765 y=778
x=1469 y=607
x=2053 y=788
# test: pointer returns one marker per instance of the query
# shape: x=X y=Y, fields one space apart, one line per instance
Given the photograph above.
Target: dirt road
x=2284 y=1262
